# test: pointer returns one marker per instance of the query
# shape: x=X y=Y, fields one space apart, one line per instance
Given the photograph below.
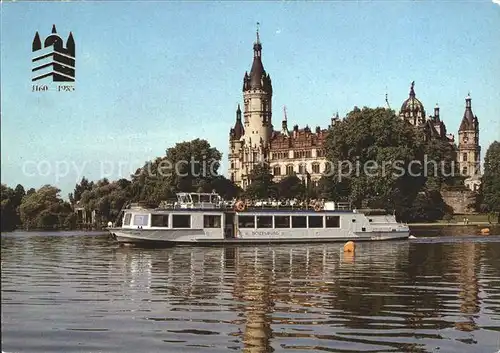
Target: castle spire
x=412 y=90
x=238 y=129
x=54 y=29
x=257 y=46
x=436 y=112
x=469 y=121
x=238 y=112
x=257 y=78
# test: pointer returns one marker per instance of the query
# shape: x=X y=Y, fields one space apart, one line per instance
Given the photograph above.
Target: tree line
x=376 y=135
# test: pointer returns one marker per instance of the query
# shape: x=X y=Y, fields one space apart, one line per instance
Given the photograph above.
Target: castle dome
x=412 y=108
x=412 y=103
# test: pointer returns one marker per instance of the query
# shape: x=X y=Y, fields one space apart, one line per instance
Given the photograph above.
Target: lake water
x=67 y=292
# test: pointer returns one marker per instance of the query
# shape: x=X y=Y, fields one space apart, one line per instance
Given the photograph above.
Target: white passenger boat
x=202 y=218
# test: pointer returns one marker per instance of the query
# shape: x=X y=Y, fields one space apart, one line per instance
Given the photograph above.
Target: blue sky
x=150 y=74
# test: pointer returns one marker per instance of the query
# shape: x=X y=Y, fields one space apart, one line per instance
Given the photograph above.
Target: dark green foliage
x=490 y=188
x=225 y=188
x=390 y=165
x=261 y=183
x=44 y=209
x=291 y=187
x=106 y=198
x=188 y=166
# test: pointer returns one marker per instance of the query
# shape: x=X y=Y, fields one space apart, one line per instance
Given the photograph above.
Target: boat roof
x=247 y=212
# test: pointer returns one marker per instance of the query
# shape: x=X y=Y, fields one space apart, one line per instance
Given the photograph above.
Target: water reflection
x=387 y=297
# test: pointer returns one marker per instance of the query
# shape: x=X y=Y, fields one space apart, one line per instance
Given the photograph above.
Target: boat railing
x=214 y=201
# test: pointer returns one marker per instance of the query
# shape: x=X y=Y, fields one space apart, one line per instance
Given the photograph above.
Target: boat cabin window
x=299 y=222
x=211 y=221
x=126 y=220
x=264 y=221
x=181 y=221
x=246 y=221
x=332 y=221
x=315 y=221
x=281 y=221
x=141 y=219
x=195 y=198
x=159 y=220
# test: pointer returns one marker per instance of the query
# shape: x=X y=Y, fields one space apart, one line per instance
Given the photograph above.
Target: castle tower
x=235 y=148
x=257 y=98
x=469 y=150
x=412 y=110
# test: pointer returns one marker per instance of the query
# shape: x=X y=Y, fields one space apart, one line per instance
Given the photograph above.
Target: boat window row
x=289 y=221
x=177 y=220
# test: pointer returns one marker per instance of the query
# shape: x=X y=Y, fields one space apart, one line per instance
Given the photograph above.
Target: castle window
x=464 y=157
x=277 y=170
x=289 y=170
x=302 y=169
x=464 y=170
x=232 y=165
x=328 y=168
x=308 y=154
x=315 y=168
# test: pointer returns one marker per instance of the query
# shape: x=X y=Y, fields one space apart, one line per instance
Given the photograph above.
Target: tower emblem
x=53 y=59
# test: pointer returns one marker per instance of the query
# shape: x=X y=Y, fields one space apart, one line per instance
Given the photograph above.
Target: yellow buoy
x=485 y=231
x=349 y=246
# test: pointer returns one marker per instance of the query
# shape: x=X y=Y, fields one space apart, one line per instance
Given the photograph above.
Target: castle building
x=253 y=139
x=301 y=152
x=468 y=151
x=413 y=111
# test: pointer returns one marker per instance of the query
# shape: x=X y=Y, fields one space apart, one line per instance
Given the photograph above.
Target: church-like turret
x=238 y=131
x=469 y=150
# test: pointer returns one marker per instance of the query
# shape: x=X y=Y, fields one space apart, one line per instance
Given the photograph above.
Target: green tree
x=225 y=188
x=11 y=200
x=190 y=166
x=106 y=198
x=44 y=209
x=261 y=183
x=291 y=187
x=8 y=209
x=379 y=161
x=80 y=188
x=490 y=187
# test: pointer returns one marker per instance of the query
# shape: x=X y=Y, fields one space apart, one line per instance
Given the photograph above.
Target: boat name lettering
x=265 y=232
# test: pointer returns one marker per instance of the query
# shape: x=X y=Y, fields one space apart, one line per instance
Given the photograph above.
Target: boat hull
x=193 y=237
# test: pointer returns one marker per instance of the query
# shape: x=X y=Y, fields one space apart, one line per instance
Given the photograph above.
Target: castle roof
x=238 y=131
x=258 y=78
x=298 y=138
x=469 y=121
